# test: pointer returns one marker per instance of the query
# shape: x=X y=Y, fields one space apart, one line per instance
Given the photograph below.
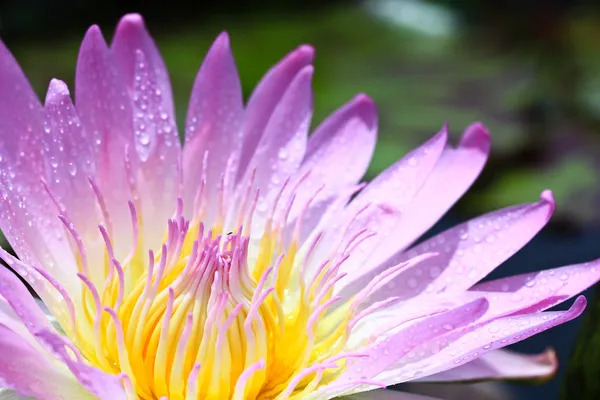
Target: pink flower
x=249 y=263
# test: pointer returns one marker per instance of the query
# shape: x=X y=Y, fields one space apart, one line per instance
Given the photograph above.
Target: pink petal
x=467 y=252
x=338 y=154
x=69 y=157
x=213 y=127
x=32 y=229
x=387 y=196
x=34 y=320
x=22 y=302
x=100 y=384
x=104 y=386
x=386 y=352
x=265 y=98
x=456 y=170
x=130 y=37
x=102 y=100
x=458 y=348
x=10 y=320
x=31 y=373
x=537 y=291
x=500 y=365
x=282 y=147
x=22 y=119
x=68 y=153
x=24 y=219
x=347 y=137
x=156 y=138
x=158 y=147
x=105 y=110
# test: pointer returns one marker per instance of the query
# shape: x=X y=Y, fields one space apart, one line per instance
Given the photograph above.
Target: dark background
x=529 y=70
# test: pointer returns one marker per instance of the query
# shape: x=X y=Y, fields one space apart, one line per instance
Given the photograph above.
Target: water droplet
x=72 y=169
x=564 y=277
x=530 y=283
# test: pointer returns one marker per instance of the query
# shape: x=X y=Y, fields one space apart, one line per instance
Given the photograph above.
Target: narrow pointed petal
x=502 y=365
x=158 y=148
x=460 y=348
x=344 y=143
x=22 y=302
x=21 y=115
x=102 y=101
x=155 y=130
x=131 y=37
x=265 y=98
x=68 y=154
x=456 y=170
x=338 y=154
x=282 y=147
x=468 y=252
x=105 y=110
x=69 y=164
x=213 y=125
x=385 y=353
x=23 y=201
x=387 y=197
x=537 y=291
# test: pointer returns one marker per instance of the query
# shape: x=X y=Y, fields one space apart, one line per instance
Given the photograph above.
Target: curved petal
x=10 y=320
x=69 y=158
x=102 y=385
x=265 y=98
x=34 y=233
x=458 y=348
x=31 y=373
x=155 y=131
x=130 y=37
x=384 y=200
x=283 y=144
x=536 y=291
x=69 y=155
x=22 y=119
x=337 y=156
x=22 y=302
x=30 y=369
x=158 y=149
x=456 y=170
x=105 y=110
x=383 y=354
x=502 y=365
x=213 y=136
x=467 y=252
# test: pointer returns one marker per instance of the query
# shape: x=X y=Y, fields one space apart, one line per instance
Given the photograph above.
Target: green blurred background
x=529 y=70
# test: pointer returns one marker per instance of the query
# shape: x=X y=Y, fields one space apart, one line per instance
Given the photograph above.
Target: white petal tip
x=57 y=88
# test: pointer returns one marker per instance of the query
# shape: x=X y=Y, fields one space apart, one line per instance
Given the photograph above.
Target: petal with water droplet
x=501 y=364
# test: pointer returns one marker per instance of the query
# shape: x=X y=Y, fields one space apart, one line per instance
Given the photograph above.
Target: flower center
x=202 y=318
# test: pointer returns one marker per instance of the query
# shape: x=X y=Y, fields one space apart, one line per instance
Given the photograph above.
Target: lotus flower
x=249 y=263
